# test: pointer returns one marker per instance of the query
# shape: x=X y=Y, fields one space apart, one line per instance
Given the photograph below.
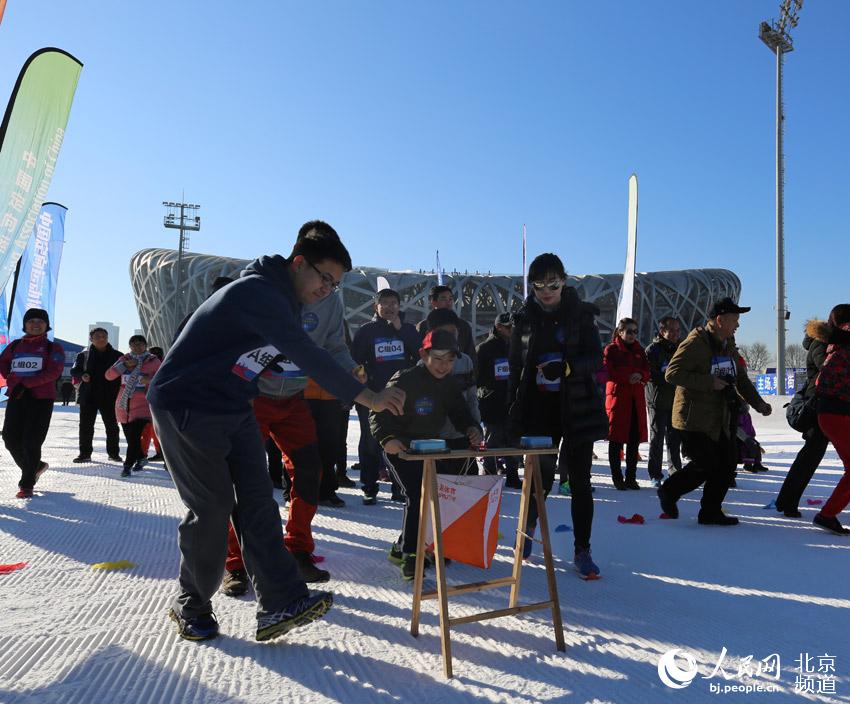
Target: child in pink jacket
x=136 y=368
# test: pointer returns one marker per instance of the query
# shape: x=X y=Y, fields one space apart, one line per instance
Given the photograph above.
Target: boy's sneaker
x=139 y=466
x=156 y=458
x=585 y=565
x=431 y=560
x=564 y=489
x=395 y=555
x=43 y=467
x=116 y=458
x=125 y=472
x=79 y=459
x=656 y=483
x=23 y=493
x=197 y=628
x=830 y=523
x=408 y=566
x=235 y=583
x=668 y=503
x=299 y=613
x=716 y=519
x=308 y=570
x=369 y=499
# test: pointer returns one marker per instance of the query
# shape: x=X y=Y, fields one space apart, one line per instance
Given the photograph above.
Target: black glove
x=20 y=392
x=553 y=370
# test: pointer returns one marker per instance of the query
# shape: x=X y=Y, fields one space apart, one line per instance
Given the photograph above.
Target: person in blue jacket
x=201 y=405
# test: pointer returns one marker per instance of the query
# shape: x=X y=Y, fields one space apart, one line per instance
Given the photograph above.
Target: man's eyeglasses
x=551 y=285
x=327 y=279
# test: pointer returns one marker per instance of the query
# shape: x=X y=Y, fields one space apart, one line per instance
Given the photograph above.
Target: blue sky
x=447 y=125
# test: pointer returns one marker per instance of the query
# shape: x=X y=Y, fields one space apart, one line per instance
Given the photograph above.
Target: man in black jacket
x=493 y=375
x=443 y=297
x=96 y=394
x=659 y=400
x=383 y=347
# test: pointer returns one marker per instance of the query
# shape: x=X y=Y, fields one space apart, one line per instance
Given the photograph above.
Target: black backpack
x=801 y=412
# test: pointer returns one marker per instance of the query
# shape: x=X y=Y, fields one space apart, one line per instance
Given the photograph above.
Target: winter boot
x=830 y=523
x=235 y=583
x=309 y=572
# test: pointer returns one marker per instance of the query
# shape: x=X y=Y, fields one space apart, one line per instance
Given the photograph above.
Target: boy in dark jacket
x=31 y=366
x=431 y=395
x=493 y=376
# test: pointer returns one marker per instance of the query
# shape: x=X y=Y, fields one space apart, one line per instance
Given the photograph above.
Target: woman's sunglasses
x=552 y=285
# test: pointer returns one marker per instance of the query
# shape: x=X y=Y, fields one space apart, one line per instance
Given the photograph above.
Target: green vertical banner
x=31 y=136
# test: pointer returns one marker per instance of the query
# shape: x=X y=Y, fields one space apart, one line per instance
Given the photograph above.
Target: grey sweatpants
x=218 y=463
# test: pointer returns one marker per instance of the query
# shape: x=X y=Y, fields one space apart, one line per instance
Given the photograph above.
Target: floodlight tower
x=183 y=217
x=778 y=39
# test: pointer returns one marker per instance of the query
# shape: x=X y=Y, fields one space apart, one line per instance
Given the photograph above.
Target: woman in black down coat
x=555 y=353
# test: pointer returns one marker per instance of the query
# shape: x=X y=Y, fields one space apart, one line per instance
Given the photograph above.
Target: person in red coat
x=628 y=371
x=31 y=365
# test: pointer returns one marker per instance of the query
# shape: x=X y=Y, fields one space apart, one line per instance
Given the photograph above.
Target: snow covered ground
x=771 y=586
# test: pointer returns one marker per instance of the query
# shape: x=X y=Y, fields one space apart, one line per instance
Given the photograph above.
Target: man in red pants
x=284 y=415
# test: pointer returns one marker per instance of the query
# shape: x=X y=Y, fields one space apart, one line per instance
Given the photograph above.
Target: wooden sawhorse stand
x=431 y=498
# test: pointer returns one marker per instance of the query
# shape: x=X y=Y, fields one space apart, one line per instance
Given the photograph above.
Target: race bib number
x=27 y=365
x=724 y=368
x=389 y=350
x=543 y=383
x=424 y=406
x=254 y=362
x=289 y=370
x=501 y=370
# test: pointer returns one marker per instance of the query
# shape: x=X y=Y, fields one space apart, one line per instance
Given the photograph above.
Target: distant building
x=686 y=295
x=110 y=328
x=72 y=349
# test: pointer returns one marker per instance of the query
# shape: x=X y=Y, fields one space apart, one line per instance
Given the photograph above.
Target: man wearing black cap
x=493 y=376
x=31 y=366
x=709 y=385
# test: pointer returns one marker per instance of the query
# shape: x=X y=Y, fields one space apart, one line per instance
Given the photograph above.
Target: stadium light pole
x=777 y=38
x=183 y=217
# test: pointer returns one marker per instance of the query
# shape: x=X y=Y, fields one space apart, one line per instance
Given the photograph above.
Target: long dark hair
x=839 y=315
x=622 y=325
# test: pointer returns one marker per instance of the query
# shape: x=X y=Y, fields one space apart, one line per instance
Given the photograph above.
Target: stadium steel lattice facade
x=686 y=295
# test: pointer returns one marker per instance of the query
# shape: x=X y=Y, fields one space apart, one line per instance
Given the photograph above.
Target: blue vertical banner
x=39 y=274
x=4 y=330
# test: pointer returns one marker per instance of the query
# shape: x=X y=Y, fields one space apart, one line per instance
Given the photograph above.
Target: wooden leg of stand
x=543 y=520
x=525 y=495
x=442 y=595
x=424 y=507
